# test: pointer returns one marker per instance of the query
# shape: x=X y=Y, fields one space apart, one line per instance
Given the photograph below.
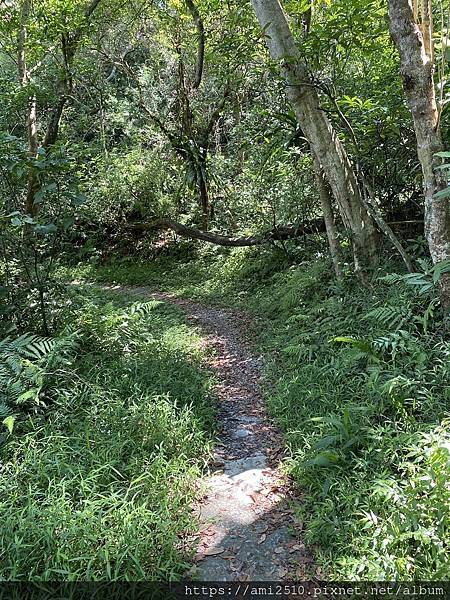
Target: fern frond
x=393 y=342
x=27 y=346
x=21 y=370
x=388 y=315
x=391 y=278
x=143 y=308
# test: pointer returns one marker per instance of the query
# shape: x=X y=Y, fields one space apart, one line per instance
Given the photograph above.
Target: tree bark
x=328 y=217
x=416 y=68
x=321 y=135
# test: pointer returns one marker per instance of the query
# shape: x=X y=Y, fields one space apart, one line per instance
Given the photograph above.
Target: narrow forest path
x=248 y=530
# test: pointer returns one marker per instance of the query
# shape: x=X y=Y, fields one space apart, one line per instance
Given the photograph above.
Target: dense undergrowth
x=108 y=428
x=359 y=385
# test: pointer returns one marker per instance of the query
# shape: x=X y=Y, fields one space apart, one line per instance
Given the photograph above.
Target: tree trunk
x=31 y=110
x=201 y=43
x=203 y=193
x=321 y=135
x=416 y=67
x=328 y=217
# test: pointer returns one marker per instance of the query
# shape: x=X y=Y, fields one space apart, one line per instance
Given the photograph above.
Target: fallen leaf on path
x=279 y=550
x=262 y=538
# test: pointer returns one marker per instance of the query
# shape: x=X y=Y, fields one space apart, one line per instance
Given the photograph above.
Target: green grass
x=98 y=483
x=365 y=420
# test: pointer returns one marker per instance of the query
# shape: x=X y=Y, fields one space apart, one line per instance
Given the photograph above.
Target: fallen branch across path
x=277 y=234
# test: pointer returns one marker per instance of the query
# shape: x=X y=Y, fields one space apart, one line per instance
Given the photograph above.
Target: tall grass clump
x=97 y=480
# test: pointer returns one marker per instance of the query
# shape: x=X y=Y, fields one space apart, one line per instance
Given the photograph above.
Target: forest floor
x=248 y=528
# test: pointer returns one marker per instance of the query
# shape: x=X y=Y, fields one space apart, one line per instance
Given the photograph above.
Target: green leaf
x=45 y=229
x=79 y=200
x=68 y=222
x=28 y=395
x=323 y=459
x=442 y=194
x=344 y=340
x=39 y=195
x=9 y=423
x=326 y=442
x=439 y=269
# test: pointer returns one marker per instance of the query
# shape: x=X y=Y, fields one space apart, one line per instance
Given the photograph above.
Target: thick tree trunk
x=321 y=135
x=328 y=217
x=416 y=67
x=51 y=135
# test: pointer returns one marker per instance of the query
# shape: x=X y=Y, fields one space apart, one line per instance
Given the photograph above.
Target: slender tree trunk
x=321 y=135
x=416 y=67
x=203 y=192
x=328 y=217
x=201 y=43
x=370 y=203
x=31 y=110
x=33 y=181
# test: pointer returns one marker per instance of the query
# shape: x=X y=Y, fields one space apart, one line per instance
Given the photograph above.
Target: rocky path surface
x=248 y=530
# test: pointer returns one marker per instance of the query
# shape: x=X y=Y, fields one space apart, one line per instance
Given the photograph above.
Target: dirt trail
x=248 y=531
